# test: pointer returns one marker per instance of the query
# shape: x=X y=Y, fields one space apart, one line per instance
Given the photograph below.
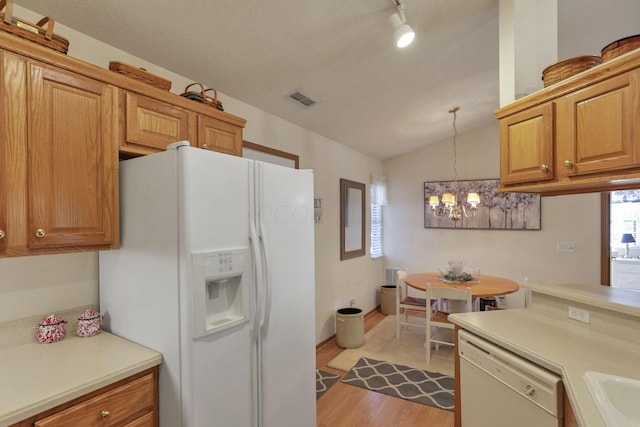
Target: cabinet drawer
x=107 y=409
x=628 y=280
x=144 y=421
x=627 y=267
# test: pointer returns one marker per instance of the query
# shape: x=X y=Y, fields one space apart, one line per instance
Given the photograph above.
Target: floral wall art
x=496 y=211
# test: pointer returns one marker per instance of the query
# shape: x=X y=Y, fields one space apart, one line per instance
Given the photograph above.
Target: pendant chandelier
x=450 y=207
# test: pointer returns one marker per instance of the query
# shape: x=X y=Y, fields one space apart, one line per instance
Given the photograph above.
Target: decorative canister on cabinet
x=51 y=329
x=89 y=324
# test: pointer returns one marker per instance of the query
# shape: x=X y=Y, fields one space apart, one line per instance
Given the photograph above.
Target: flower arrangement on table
x=455 y=273
x=461 y=278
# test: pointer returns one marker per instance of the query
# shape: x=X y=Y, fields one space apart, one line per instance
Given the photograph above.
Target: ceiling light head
x=402 y=32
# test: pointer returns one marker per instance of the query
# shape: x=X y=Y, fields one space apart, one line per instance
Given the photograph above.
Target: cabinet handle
x=544 y=168
x=40 y=232
x=568 y=164
x=105 y=415
x=205 y=146
x=1 y=234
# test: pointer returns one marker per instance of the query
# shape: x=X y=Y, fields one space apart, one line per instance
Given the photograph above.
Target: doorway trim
x=605 y=237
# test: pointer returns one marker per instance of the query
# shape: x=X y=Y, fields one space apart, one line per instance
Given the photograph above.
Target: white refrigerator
x=216 y=272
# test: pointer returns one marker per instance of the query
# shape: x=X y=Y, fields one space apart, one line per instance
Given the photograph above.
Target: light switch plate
x=566 y=247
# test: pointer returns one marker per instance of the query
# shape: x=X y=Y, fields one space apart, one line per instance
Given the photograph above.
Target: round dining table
x=485 y=286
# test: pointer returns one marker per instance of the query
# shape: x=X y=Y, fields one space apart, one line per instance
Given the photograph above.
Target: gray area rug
x=428 y=388
x=324 y=380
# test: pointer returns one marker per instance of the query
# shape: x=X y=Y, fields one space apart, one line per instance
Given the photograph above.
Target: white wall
x=587 y=26
x=34 y=285
x=512 y=254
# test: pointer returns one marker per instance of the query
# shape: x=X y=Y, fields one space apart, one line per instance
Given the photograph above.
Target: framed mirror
x=352 y=219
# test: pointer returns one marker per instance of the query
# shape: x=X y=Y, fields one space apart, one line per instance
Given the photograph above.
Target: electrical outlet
x=579 y=314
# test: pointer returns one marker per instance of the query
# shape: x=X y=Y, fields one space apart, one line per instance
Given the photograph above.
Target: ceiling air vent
x=302 y=99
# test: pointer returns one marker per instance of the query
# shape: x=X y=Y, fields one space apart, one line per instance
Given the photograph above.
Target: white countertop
x=36 y=377
x=623 y=301
x=567 y=348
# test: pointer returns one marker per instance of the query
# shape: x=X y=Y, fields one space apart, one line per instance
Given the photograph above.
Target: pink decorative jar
x=89 y=324
x=51 y=329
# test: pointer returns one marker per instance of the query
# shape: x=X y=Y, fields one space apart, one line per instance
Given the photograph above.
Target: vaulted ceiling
x=370 y=95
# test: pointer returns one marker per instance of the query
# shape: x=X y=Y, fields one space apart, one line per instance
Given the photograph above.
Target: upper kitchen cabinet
x=71 y=160
x=59 y=160
x=217 y=135
x=579 y=135
x=526 y=145
x=151 y=125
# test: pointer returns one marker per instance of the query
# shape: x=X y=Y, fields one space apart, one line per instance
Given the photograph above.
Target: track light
x=402 y=32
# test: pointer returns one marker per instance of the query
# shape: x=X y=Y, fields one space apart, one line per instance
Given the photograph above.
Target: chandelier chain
x=455 y=152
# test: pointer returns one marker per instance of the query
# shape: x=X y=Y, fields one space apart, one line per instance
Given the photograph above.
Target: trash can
x=388 y=299
x=487 y=302
x=350 y=328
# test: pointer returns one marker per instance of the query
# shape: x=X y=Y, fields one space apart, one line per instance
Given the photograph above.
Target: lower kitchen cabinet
x=132 y=402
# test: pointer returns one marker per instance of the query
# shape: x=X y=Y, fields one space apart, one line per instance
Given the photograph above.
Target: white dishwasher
x=500 y=389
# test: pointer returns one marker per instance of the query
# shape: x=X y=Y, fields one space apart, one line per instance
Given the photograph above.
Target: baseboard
x=333 y=337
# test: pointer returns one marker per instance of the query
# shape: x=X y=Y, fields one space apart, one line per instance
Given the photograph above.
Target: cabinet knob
x=205 y=146
x=40 y=232
x=1 y=234
x=544 y=168
x=105 y=415
x=568 y=164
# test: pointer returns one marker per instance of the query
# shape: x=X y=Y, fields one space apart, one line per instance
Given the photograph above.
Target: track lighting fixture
x=402 y=32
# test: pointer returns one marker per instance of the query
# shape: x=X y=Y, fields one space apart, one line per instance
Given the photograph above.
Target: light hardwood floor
x=347 y=405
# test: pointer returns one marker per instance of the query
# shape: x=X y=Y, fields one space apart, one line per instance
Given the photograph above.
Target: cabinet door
x=151 y=125
x=526 y=145
x=72 y=159
x=600 y=129
x=216 y=135
x=13 y=173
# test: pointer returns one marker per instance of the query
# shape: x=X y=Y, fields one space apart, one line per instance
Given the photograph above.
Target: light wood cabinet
x=597 y=129
x=64 y=124
x=217 y=135
x=59 y=160
x=580 y=135
x=130 y=402
x=151 y=125
x=527 y=145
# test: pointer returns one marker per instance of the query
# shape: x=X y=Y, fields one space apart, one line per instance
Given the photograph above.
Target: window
x=378 y=199
x=624 y=216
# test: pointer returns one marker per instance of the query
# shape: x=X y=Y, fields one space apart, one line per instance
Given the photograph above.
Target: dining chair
x=439 y=321
x=405 y=304
x=475 y=272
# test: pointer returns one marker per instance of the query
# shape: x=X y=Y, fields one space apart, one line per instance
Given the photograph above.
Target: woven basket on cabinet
x=620 y=47
x=567 y=68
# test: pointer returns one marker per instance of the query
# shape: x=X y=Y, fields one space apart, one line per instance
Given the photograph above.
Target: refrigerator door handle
x=259 y=277
x=266 y=278
x=264 y=324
